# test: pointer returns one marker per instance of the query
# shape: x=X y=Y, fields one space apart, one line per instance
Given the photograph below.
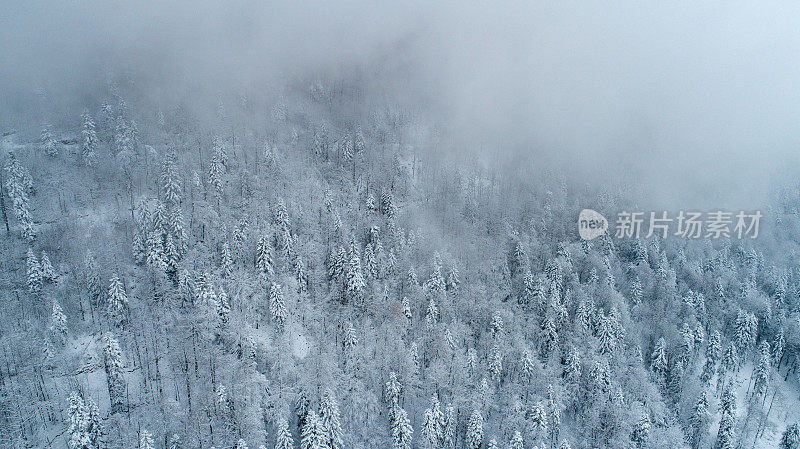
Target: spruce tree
x=791 y=437
x=84 y=424
x=449 y=431
x=89 y=139
x=114 y=366
x=331 y=425
x=58 y=324
x=516 y=441
x=401 y=430
x=264 y=257
x=48 y=273
x=146 y=440
x=659 y=362
x=226 y=262
x=48 y=142
x=283 y=436
x=762 y=371
x=313 y=435
x=171 y=182
x=34 y=273
x=474 y=436
x=277 y=306
x=430 y=434
x=117 y=301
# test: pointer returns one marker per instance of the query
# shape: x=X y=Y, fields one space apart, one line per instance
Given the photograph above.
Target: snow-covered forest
x=323 y=261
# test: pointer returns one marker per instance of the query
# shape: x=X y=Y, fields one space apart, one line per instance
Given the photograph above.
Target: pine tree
x=171 y=181
x=146 y=440
x=58 y=324
x=606 y=335
x=727 y=402
x=19 y=187
x=433 y=311
x=48 y=274
x=48 y=142
x=401 y=430
x=300 y=274
x=89 y=139
x=178 y=231
x=726 y=432
x=264 y=257
x=516 y=441
x=497 y=324
x=406 y=305
x=572 y=365
x=225 y=261
x=350 y=339
x=435 y=285
x=34 y=273
x=745 y=336
x=548 y=339
x=641 y=430
x=223 y=308
x=393 y=391
x=529 y=366
x=659 y=362
x=329 y=415
x=155 y=251
x=538 y=420
x=388 y=206
x=370 y=263
x=713 y=351
x=474 y=435
x=730 y=359
x=453 y=278
x=84 y=424
x=698 y=419
x=778 y=347
x=431 y=433
x=114 y=374
x=283 y=436
x=277 y=306
x=171 y=255
x=354 y=281
x=496 y=364
x=449 y=432
x=791 y=437
x=215 y=170
x=762 y=371
x=117 y=301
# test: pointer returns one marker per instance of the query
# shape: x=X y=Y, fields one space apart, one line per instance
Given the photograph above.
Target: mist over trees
x=329 y=258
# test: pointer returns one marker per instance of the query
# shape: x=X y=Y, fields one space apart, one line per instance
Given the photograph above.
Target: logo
x=591 y=224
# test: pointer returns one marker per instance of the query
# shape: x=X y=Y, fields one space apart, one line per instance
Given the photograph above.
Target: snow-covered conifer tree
x=474 y=436
x=89 y=139
x=331 y=425
x=48 y=273
x=48 y=142
x=114 y=366
x=226 y=262
x=401 y=430
x=34 y=281
x=117 y=301
x=146 y=440
x=313 y=433
x=58 y=324
x=283 y=436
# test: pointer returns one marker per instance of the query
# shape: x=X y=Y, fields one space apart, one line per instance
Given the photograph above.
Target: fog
x=694 y=103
